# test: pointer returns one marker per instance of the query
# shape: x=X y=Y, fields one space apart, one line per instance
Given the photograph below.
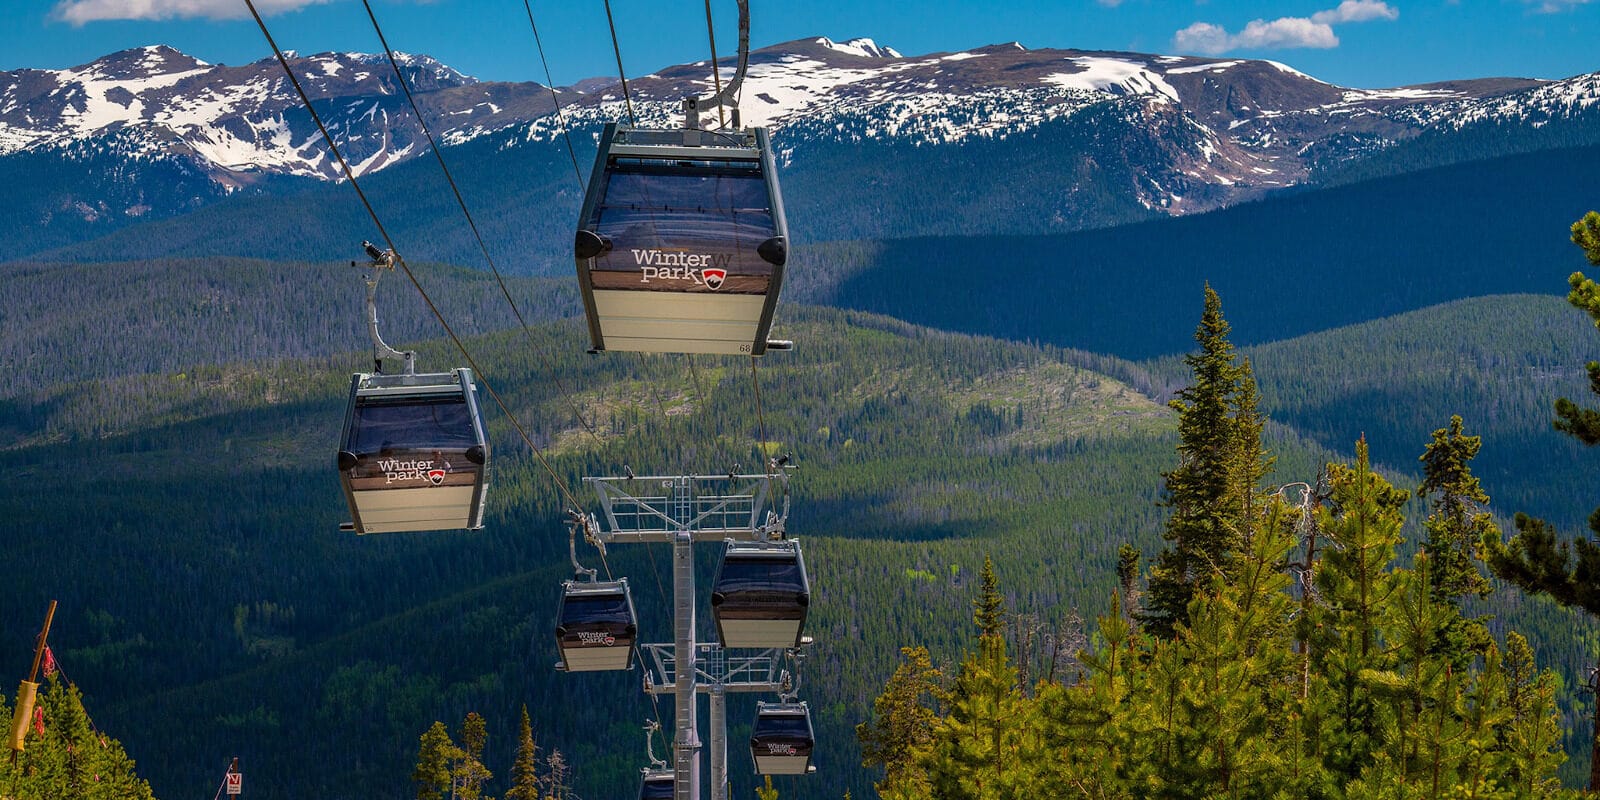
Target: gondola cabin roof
x=763 y=567
x=682 y=242
x=657 y=785
x=413 y=455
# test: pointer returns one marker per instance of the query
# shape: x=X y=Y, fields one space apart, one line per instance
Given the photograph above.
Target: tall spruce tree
x=1535 y=559
x=989 y=610
x=1213 y=490
x=525 y=769
x=1458 y=521
x=902 y=725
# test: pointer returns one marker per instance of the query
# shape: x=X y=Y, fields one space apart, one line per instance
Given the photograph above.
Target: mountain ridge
x=1209 y=132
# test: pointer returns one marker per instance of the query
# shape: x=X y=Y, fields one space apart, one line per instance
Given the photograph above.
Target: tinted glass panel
x=442 y=423
x=656 y=790
x=597 y=609
x=782 y=726
x=691 y=217
x=759 y=575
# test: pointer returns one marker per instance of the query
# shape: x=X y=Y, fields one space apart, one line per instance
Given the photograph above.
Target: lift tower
x=683 y=511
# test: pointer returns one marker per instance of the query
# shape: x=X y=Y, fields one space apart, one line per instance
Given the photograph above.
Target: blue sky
x=1358 y=43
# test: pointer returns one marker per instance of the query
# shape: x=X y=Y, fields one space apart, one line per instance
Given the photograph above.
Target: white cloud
x=1553 y=6
x=79 y=12
x=1357 y=11
x=1284 y=33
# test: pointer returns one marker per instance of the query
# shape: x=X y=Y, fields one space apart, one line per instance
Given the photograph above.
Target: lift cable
x=617 y=48
x=761 y=420
x=461 y=203
x=666 y=422
x=351 y=176
x=561 y=118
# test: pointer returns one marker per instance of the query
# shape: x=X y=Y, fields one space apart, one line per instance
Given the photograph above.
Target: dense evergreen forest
x=1289 y=265
x=206 y=593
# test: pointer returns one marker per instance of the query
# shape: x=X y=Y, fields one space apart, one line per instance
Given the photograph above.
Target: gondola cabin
x=657 y=785
x=682 y=241
x=596 y=626
x=781 y=740
x=413 y=456
x=761 y=595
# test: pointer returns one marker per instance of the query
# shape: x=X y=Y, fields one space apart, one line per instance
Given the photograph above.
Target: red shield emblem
x=714 y=277
x=436 y=476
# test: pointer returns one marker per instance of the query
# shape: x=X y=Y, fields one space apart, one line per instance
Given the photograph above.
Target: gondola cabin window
x=694 y=228
x=386 y=425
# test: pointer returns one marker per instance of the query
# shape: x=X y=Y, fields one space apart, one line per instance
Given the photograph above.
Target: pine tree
x=980 y=749
x=1212 y=492
x=1363 y=522
x=989 y=610
x=902 y=726
x=1576 y=421
x=70 y=758
x=1458 y=521
x=470 y=773
x=1128 y=579
x=765 y=791
x=525 y=769
x=1529 y=742
x=434 y=756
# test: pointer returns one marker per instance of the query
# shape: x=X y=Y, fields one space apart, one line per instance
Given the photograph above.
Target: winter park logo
x=707 y=269
x=596 y=637
x=395 y=469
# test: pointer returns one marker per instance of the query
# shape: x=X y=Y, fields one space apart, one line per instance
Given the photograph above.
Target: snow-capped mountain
x=242 y=121
x=1149 y=134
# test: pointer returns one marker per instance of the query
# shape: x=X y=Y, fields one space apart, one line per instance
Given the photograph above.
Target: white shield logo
x=714 y=277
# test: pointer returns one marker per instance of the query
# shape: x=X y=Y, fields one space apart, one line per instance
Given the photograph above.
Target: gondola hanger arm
x=692 y=106
x=379 y=261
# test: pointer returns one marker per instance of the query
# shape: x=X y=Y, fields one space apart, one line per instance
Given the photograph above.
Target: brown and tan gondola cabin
x=414 y=456
x=682 y=242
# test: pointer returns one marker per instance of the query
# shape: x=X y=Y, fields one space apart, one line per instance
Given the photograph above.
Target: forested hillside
x=213 y=497
x=206 y=593
x=1286 y=266
x=1499 y=362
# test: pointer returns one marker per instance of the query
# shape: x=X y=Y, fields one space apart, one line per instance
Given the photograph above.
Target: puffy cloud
x=1315 y=31
x=1554 y=6
x=1357 y=11
x=79 y=12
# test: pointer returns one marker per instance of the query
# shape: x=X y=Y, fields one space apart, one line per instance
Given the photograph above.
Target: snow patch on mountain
x=864 y=47
x=1215 y=66
x=1114 y=75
